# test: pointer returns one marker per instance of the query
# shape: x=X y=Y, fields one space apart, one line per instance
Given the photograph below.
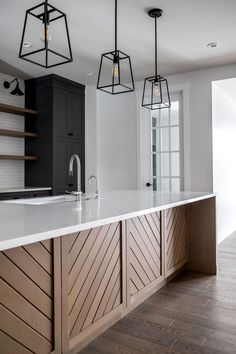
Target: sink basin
x=47 y=200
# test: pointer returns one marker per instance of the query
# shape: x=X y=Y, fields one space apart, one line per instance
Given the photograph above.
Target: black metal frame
x=161 y=104
x=116 y=56
x=156 y=79
x=44 y=17
x=111 y=56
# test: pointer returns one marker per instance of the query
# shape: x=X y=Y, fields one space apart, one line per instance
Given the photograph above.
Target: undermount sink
x=48 y=200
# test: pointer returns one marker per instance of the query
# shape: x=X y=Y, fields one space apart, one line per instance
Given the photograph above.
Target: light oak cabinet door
x=92 y=283
x=145 y=256
x=30 y=299
x=176 y=238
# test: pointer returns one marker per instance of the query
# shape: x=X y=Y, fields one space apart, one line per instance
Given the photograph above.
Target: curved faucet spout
x=72 y=159
x=97 y=192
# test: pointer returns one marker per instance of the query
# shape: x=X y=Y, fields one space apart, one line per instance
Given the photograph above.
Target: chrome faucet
x=78 y=192
x=97 y=191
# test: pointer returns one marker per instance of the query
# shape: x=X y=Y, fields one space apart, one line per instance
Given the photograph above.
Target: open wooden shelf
x=17 y=134
x=18 y=158
x=16 y=110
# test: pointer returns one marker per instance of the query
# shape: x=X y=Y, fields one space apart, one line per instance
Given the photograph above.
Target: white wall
x=90 y=132
x=224 y=156
x=11 y=172
x=117 y=143
x=122 y=133
x=198 y=117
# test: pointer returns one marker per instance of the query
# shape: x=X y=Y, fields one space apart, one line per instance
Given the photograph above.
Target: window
x=167 y=147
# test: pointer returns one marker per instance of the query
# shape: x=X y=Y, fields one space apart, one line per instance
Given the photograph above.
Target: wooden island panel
x=56 y=296
x=92 y=283
x=30 y=299
x=175 y=228
x=144 y=244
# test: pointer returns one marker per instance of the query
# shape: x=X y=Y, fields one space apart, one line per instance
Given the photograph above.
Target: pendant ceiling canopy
x=156 y=92
x=45 y=39
x=115 y=72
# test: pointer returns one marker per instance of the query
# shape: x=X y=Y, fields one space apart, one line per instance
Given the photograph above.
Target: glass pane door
x=167 y=147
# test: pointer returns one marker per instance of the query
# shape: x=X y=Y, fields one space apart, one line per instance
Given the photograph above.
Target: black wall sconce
x=17 y=91
x=45 y=28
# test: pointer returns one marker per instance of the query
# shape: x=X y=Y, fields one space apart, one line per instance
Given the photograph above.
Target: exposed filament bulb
x=115 y=70
x=156 y=89
x=45 y=35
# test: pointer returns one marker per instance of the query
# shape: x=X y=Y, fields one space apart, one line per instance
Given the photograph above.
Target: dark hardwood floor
x=191 y=315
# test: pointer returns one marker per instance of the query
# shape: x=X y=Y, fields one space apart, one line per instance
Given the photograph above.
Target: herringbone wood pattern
x=92 y=267
x=26 y=293
x=176 y=237
x=144 y=234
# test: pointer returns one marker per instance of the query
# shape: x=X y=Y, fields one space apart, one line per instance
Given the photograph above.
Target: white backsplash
x=11 y=172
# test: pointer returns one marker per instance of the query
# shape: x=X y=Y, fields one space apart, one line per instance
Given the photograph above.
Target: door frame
x=143 y=138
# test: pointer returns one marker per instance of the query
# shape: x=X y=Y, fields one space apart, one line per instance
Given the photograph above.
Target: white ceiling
x=185 y=29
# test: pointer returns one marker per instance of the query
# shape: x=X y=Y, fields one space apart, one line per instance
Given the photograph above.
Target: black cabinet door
x=61 y=132
x=76 y=116
x=76 y=146
x=61 y=112
x=60 y=165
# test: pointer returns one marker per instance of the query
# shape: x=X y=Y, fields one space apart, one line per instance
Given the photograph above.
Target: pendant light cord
x=156 y=68
x=46 y=16
x=115 y=25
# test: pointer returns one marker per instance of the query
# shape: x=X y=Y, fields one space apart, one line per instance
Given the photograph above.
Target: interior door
x=166 y=150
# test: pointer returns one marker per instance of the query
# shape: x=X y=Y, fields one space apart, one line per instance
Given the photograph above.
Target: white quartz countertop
x=22 y=224
x=23 y=189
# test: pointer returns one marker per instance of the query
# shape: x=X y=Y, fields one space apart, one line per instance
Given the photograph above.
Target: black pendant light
x=17 y=91
x=115 y=72
x=46 y=30
x=156 y=92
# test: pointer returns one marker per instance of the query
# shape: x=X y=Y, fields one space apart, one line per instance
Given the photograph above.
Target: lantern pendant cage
x=115 y=72
x=156 y=91
x=46 y=30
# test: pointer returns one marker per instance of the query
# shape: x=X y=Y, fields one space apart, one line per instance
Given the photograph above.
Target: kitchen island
x=68 y=273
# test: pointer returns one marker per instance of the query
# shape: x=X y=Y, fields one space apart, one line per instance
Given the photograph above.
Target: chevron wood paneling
x=91 y=272
x=145 y=257
x=27 y=299
x=176 y=238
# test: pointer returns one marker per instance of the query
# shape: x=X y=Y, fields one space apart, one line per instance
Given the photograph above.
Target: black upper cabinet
x=60 y=126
